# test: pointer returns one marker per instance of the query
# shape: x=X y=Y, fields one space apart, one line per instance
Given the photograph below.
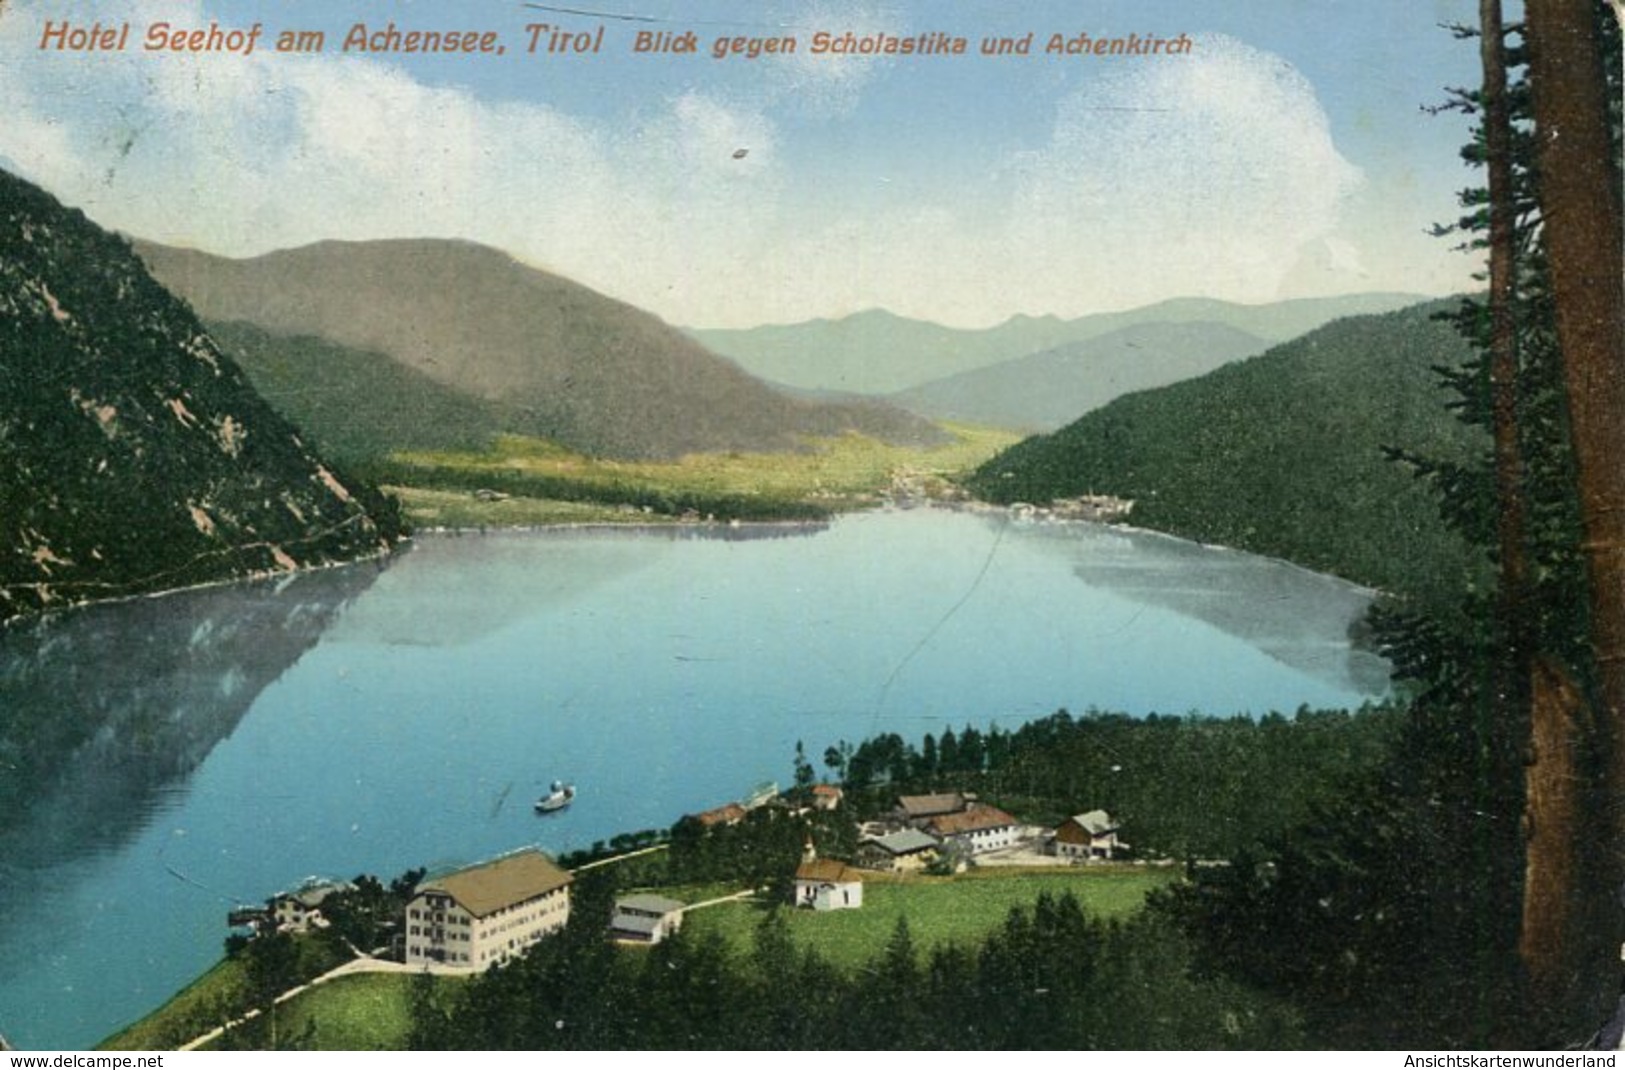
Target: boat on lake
x=557 y=798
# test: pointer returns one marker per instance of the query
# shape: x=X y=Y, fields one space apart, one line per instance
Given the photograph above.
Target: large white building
x=487 y=914
x=976 y=830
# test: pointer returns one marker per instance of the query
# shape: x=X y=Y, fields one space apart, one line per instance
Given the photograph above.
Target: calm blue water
x=160 y=760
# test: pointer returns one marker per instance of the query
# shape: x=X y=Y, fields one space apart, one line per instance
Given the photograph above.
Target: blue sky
x=1288 y=154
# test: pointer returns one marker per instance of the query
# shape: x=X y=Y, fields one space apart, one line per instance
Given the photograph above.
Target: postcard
x=718 y=524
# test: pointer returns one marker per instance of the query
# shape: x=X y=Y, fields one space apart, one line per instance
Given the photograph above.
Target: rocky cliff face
x=134 y=456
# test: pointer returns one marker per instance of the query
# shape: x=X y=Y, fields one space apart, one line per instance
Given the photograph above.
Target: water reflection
x=456 y=590
x=106 y=710
x=1301 y=619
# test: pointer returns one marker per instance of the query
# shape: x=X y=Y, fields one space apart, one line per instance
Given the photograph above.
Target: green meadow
x=523 y=481
x=939 y=910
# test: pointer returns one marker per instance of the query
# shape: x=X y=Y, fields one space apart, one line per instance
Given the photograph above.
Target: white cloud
x=248 y=154
x=1213 y=173
x=1206 y=173
x=831 y=84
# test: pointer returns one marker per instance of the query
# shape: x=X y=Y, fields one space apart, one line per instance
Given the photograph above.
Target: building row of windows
x=451 y=919
x=516 y=906
x=550 y=901
x=428 y=931
x=552 y=904
x=414 y=954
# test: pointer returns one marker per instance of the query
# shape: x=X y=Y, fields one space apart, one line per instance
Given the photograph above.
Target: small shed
x=646 y=918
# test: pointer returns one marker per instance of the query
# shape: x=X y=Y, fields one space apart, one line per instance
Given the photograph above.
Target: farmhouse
x=1086 y=836
x=977 y=830
x=487 y=914
x=907 y=849
x=301 y=909
x=645 y=918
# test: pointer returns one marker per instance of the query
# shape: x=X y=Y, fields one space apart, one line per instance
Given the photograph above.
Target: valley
x=524 y=482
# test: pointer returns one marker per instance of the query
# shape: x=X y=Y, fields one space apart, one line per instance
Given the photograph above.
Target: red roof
x=726 y=814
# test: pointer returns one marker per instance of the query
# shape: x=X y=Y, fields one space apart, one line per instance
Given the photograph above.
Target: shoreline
x=642 y=526
x=44 y=615
x=977 y=506
x=701 y=528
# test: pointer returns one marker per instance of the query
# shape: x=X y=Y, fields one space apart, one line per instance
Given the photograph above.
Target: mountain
x=359 y=405
x=876 y=352
x=136 y=455
x=1282 y=454
x=1043 y=391
x=532 y=352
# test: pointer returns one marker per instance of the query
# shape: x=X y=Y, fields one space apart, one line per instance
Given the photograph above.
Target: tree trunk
x=1503 y=347
x=1554 y=906
x=1580 y=206
x=1548 y=929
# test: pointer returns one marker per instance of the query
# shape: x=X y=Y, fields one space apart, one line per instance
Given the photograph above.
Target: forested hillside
x=357 y=404
x=1283 y=454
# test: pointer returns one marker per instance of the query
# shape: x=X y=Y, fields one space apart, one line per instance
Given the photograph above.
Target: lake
x=166 y=758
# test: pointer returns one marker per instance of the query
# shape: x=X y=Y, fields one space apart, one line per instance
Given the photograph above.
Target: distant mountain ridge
x=1046 y=390
x=136 y=455
x=877 y=352
x=535 y=353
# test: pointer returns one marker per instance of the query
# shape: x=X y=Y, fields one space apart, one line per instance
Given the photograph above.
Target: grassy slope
x=940 y=911
x=1280 y=455
x=363 y=1012
x=189 y=1013
x=435 y=446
